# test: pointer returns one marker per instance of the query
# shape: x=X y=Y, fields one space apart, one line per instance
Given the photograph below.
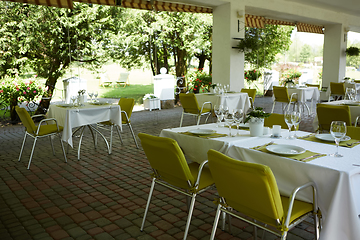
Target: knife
x=315 y=155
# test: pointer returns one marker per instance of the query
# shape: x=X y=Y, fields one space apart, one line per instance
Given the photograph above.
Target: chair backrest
x=250 y=91
x=127 y=105
x=167 y=159
x=353 y=132
x=281 y=94
x=189 y=103
x=327 y=113
x=356 y=81
x=26 y=119
x=123 y=77
x=255 y=193
x=337 y=88
x=275 y=119
x=313 y=85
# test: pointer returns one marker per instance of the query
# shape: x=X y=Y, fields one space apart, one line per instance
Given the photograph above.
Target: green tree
x=305 y=53
x=353 y=61
x=265 y=44
x=51 y=39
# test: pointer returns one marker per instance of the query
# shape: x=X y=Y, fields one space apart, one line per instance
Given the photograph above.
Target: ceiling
x=350 y=7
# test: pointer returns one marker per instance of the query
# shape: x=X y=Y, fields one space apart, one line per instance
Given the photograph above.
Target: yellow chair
x=171 y=170
x=313 y=85
x=126 y=105
x=327 y=113
x=337 y=90
x=42 y=130
x=191 y=107
x=281 y=95
x=275 y=119
x=252 y=93
x=256 y=195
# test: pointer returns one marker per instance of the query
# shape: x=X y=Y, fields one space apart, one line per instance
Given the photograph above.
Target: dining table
x=337 y=179
x=305 y=94
x=72 y=117
x=232 y=100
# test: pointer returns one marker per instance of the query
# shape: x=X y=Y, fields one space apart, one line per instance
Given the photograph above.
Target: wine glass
x=95 y=95
x=338 y=131
x=295 y=119
x=238 y=114
x=288 y=121
x=218 y=110
x=73 y=99
x=229 y=119
x=91 y=94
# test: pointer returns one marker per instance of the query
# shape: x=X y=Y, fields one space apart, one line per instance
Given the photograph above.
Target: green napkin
x=304 y=157
x=213 y=135
x=349 y=144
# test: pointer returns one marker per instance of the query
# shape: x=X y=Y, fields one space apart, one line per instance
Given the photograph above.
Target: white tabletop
x=70 y=118
x=231 y=100
x=305 y=93
x=336 y=178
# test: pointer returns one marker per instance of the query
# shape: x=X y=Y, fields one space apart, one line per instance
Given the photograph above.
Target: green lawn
x=135 y=91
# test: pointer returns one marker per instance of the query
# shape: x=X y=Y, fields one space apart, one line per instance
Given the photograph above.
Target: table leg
x=96 y=130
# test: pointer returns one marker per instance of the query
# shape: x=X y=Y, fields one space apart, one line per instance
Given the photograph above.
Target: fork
x=350 y=144
x=315 y=155
x=267 y=144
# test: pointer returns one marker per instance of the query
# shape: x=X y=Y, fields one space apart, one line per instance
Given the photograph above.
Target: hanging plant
x=248 y=44
x=352 y=51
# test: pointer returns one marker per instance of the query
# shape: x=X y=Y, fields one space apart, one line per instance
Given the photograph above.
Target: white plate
x=284 y=149
x=328 y=137
x=202 y=131
x=244 y=125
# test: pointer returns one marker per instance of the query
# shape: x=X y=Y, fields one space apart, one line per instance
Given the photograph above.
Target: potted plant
x=352 y=51
x=199 y=80
x=151 y=102
x=252 y=75
x=290 y=77
x=256 y=121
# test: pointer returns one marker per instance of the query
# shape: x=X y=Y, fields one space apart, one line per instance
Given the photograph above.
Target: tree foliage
x=265 y=44
x=353 y=61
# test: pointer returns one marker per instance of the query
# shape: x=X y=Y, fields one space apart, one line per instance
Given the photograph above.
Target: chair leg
x=22 y=147
x=216 y=221
x=207 y=117
x=132 y=132
x=191 y=209
x=317 y=226
x=111 y=137
x=32 y=152
x=118 y=131
x=62 y=147
x=198 y=120
x=272 y=110
x=52 y=146
x=181 y=120
x=147 y=204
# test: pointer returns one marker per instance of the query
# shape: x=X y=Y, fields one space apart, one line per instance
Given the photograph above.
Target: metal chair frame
x=282 y=103
x=199 y=114
x=35 y=136
x=222 y=208
x=192 y=195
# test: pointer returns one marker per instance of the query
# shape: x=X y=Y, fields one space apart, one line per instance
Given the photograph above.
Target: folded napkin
x=213 y=135
x=303 y=157
x=349 y=144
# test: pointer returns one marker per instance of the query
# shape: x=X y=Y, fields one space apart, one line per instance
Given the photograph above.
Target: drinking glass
x=338 y=131
x=95 y=95
x=295 y=119
x=229 y=119
x=91 y=94
x=218 y=110
x=73 y=99
x=288 y=121
x=238 y=114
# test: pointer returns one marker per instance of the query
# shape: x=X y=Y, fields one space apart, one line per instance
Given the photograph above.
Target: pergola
x=332 y=18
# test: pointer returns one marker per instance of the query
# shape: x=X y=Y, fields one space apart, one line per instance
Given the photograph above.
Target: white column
x=228 y=63
x=334 y=65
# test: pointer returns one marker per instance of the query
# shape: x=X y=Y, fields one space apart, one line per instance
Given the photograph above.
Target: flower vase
x=256 y=126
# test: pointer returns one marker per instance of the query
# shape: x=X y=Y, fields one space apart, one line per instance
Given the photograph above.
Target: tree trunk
x=13 y=113
x=45 y=101
x=202 y=59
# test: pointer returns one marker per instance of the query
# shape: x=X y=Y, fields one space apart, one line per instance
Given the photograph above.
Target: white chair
x=123 y=79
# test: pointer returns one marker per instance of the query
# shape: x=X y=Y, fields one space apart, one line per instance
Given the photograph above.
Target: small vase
x=256 y=126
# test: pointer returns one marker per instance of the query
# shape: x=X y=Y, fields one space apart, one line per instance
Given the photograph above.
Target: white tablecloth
x=231 y=100
x=337 y=179
x=305 y=93
x=70 y=118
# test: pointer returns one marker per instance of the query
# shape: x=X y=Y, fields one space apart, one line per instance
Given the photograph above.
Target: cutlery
x=267 y=144
x=350 y=144
x=357 y=165
x=306 y=136
x=315 y=155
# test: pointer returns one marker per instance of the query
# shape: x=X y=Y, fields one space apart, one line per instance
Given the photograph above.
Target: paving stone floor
x=103 y=196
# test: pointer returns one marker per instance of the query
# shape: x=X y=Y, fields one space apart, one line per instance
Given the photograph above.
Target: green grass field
x=135 y=91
